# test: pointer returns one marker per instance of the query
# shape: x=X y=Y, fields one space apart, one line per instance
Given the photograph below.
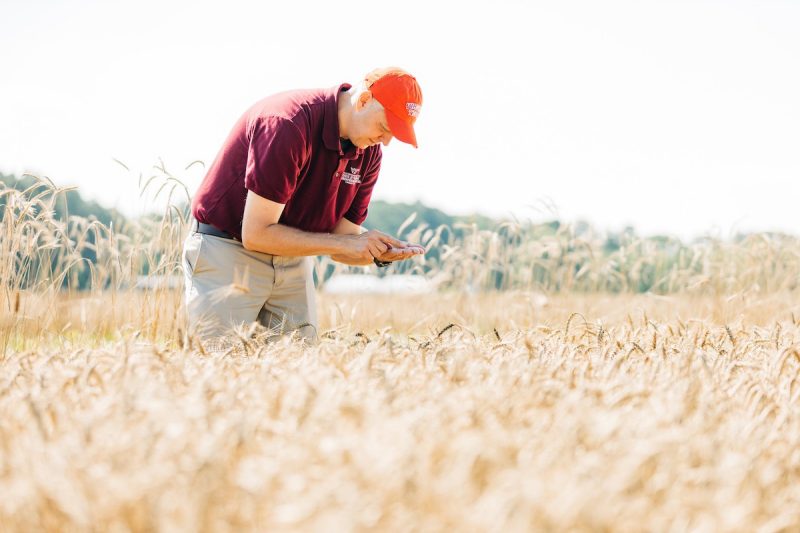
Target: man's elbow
x=248 y=243
x=255 y=238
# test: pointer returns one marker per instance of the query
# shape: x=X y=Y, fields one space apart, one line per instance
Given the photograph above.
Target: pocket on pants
x=191 y=252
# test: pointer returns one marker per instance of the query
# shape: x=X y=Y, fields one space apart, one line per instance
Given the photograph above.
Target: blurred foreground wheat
x=595 y=423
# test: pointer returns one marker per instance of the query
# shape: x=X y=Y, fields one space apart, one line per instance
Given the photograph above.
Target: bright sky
x=680 y=117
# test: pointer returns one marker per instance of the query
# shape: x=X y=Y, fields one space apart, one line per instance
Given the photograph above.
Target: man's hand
x=402 y=253
x=379 y=245
x=363 y=248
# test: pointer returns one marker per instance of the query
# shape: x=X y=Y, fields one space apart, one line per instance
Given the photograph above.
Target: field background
x=551 y=383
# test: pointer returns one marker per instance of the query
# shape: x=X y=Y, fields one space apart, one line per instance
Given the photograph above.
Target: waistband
x=208 y=229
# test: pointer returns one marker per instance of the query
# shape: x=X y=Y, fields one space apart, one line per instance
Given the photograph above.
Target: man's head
x=385 y=105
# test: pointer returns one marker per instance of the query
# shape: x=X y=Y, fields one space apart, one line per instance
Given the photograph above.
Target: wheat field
x=548 y=385
x=505 y=413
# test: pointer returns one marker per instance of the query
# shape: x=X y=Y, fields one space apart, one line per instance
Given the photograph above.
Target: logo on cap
x=413 y=109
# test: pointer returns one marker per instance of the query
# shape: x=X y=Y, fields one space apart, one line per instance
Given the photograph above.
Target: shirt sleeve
x=275 y=155
x=357 y=213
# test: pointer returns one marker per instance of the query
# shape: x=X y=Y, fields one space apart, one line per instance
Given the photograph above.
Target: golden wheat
x=552 y=405
x=610 y=420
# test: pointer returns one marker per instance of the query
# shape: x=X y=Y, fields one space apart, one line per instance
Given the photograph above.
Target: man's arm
x=261 y=232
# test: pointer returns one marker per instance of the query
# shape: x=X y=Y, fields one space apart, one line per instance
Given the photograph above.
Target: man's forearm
x=350 y=261
x=279 y=239
x=346 y=245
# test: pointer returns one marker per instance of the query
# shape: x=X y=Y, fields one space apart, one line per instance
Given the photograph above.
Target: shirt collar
x=330 y=127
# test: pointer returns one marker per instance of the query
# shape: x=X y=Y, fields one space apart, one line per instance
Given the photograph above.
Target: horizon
x=602 y=232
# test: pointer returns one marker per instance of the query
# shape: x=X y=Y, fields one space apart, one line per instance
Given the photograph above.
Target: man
x=293 y=180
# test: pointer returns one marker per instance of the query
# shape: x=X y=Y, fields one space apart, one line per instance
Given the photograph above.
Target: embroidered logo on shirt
x=353 y=177
x=413 y=109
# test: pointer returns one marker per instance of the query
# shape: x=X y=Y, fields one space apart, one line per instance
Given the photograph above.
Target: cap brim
x=400 y=129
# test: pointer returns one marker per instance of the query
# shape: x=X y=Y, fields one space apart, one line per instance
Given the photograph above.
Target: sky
x=675 y=117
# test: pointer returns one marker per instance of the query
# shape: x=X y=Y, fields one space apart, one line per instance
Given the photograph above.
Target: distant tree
x=388 y=217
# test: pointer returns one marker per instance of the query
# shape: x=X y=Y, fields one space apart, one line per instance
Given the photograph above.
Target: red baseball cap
x=401 y=98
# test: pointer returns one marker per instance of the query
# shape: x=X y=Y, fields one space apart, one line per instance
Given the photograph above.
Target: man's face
x=369 y=126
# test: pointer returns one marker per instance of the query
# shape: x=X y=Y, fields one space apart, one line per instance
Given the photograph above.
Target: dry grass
x=622 y=418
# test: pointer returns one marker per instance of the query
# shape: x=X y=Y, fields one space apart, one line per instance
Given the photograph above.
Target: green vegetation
x=389 y=216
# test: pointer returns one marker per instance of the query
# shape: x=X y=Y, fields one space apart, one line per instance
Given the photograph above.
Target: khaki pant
x=228 y=286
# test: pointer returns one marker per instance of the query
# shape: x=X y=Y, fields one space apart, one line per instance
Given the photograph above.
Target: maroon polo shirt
x=286 y=148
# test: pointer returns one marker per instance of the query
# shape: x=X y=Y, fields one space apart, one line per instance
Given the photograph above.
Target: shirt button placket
x=339 y=169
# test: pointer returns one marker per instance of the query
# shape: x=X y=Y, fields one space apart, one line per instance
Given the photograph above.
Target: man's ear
x=363 y=99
